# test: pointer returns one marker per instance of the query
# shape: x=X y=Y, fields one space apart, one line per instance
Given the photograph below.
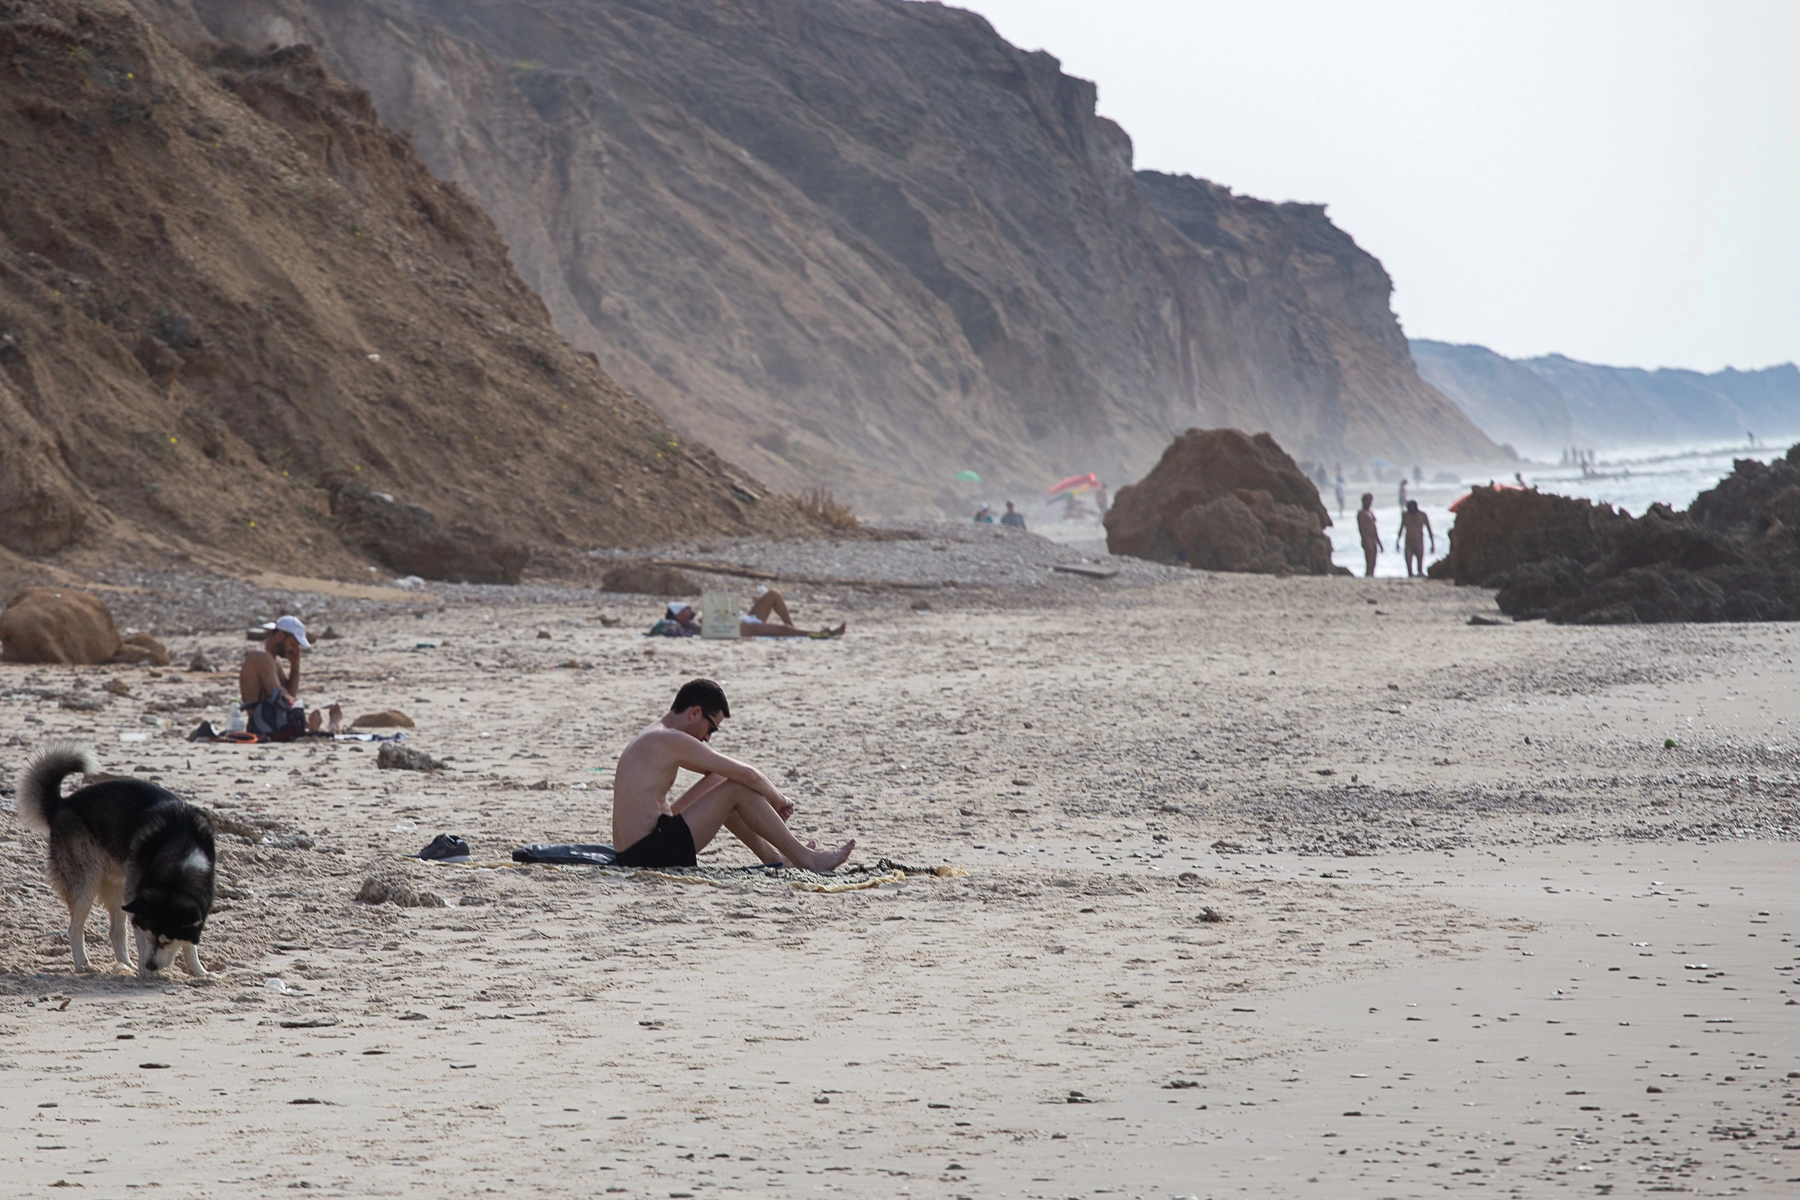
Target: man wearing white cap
x=270 y=697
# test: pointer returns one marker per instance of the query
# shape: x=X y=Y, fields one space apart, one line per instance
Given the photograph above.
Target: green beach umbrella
x=967 y=477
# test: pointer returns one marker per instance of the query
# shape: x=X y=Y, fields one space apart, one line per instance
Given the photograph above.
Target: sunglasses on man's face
x=712 y=724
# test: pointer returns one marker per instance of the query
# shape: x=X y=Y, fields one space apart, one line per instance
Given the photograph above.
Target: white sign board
x=718 y=615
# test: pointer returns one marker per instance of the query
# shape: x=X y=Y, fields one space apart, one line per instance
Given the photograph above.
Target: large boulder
x=409 y=539
x=1221 y=500
x=57 y=625
x=1498 y=530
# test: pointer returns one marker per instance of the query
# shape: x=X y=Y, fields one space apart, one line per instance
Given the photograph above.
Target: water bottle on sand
x=236 y=723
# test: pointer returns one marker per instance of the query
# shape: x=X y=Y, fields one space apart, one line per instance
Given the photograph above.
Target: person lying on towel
x=657 y=833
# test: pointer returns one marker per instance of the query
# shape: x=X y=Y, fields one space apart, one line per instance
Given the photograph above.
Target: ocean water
x=1632 y=480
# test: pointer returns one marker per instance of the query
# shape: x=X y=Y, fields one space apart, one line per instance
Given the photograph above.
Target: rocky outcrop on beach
x=1544 y=405
x=224 y=281
x=58 y=625
x=1734 y=555
x=1220 y=500
x=870 y=244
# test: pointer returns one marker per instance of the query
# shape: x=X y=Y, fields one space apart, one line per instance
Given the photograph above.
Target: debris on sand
x=398 y=891
x=1220 y=500
x=1734 y=555
x=387 y=718
x=140 y=649
x=394 y=757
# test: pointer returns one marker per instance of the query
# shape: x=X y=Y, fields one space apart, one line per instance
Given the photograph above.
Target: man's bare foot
x=336 y=713
x=827 y=861
x=314 y=719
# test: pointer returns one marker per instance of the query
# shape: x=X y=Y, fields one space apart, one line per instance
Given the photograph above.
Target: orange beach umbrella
x=1076 y=482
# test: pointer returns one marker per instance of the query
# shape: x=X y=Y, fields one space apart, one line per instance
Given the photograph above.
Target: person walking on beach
x=1371 y=536
x=1414 y=525
x=1340 y=489
x=653 y=831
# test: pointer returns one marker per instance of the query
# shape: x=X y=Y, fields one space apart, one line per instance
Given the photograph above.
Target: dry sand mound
x=223 y=281
x=1223 y=501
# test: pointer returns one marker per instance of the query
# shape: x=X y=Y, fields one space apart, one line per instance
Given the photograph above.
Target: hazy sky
x=1619 y=182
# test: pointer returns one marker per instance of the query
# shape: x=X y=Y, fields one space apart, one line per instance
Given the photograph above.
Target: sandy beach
x=1302 y=885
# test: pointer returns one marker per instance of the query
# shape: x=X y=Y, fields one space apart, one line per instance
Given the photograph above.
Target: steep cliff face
x=225 y=285
x=869 y=242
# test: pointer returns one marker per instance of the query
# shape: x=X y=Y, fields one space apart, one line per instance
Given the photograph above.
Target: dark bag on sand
x=274 y=719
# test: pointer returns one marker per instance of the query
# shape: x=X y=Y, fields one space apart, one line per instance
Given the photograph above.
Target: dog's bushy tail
x=40 y=788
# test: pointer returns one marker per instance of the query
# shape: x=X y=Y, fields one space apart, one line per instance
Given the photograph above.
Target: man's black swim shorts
x=670 y=844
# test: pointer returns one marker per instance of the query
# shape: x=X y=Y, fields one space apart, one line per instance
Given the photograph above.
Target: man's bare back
x=649 y=829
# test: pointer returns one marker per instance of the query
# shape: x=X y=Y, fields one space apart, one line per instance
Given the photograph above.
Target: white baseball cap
x=292 y=626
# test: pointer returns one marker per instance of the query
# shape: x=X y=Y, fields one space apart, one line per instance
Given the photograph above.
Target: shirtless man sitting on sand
x=653 y=832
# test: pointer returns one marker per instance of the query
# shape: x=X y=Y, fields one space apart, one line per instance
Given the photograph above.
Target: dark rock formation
x=1734 y=555
x=867 y=243
x=1223 y=501
x=1499 y=529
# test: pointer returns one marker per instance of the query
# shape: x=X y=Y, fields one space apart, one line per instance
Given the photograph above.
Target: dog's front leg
x=121 y=936
x=190 y=959
x=75 y=946
x=145 y=947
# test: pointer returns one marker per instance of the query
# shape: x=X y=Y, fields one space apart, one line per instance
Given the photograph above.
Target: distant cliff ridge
x=869 y=243
x=1541 y=405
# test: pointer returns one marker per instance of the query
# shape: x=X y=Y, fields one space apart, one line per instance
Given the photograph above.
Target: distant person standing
x=1414 y=525
x=1014 y=519
x=984 y=515
x=1418 y=473
x=1340 y=489
x=1403 y=493
x=1371 y=535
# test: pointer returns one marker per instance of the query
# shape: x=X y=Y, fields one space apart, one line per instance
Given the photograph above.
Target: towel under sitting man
x=652 y=831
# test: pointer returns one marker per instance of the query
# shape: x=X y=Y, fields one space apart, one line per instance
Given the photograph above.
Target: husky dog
x=129 y=844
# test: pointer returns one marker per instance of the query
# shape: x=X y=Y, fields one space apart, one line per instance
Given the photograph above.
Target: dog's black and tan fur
x=129 y=845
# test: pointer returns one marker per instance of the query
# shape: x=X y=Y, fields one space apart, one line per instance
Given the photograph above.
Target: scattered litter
x=394 y=757
x=398 y=892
